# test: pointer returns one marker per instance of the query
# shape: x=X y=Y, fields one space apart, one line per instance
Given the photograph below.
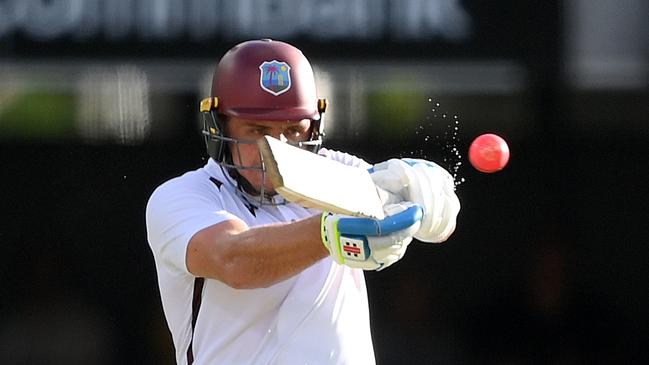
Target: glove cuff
x=329 y=234
x=323 y=231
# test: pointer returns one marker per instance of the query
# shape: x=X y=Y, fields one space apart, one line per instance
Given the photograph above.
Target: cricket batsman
x=246 y=277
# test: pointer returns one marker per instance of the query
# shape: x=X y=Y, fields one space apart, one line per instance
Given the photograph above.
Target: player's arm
x=245 y=257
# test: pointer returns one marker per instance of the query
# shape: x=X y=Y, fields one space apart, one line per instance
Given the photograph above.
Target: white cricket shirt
x=319 y=316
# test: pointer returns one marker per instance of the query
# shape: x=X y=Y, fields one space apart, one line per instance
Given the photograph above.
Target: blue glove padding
x=424 y=183
x=367 y=243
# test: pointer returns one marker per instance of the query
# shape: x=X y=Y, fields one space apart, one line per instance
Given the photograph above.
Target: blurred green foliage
x=393 y=113
x=37 y=115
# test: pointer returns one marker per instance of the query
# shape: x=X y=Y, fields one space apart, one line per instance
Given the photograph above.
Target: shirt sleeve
x=174 y=214
x=345 y=158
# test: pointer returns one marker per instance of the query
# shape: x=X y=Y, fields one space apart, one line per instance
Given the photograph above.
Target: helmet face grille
x=219 y=145
x=214 y=137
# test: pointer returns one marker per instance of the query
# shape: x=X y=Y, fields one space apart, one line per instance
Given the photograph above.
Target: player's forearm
x=265 y=255
x=243 y=257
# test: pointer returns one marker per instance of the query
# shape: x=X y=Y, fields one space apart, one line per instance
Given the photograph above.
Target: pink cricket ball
x=489 y=153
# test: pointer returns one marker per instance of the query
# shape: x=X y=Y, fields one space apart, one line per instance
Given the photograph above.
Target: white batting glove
x=367 y=243
x=424 y=183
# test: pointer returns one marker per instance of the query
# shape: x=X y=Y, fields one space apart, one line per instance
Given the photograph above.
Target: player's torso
x=318 y=316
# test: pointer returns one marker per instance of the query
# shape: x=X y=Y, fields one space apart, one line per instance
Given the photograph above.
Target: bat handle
x=388 y=197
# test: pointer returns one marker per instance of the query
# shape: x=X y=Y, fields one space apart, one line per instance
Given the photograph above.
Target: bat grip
x=388 y=197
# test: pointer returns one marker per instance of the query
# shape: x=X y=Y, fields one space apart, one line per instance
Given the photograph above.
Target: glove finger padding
x=434 y=189
x=392 y=176
x=426 y=184
x=389 y=257
x=393 y=245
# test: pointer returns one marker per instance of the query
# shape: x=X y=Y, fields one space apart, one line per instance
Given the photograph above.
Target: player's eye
x=296 y=131
x=259 y=131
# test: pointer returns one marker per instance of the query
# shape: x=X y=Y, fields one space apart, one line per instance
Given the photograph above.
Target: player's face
x=247 y=154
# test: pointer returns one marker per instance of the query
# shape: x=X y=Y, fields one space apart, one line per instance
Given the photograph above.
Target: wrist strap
x=323 y=231
x=329 y=231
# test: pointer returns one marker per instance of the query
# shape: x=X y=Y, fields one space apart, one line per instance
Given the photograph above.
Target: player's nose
x=277 y=133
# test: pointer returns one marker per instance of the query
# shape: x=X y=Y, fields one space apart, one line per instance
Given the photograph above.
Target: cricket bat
x=314 y=181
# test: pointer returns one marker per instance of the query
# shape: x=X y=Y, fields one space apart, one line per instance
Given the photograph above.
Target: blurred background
x=549 y=264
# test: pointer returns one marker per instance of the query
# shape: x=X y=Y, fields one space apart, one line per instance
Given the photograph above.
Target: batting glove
x=367 y=243
x=424 y=183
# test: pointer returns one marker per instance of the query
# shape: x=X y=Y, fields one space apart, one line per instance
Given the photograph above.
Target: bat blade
x=314 y=181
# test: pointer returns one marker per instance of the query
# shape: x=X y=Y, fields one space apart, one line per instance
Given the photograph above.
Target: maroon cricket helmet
x=265 y=80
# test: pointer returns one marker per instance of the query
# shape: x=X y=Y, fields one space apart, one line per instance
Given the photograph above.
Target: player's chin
x=257 y=180
x=269 y=190
x=268 y=186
